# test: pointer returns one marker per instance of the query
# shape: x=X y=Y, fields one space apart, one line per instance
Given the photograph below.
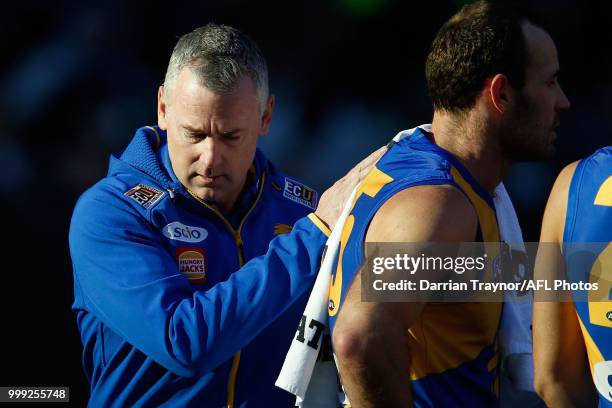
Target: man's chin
x=206 y=194
x=546 y=153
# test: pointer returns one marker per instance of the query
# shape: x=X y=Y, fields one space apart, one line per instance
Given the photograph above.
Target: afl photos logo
x=191 y=262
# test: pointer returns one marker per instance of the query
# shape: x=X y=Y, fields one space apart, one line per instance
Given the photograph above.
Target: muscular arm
x=562 y=376
x=371 y=339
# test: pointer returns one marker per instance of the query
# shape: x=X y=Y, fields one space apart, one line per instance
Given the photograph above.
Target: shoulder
x=425 y=213
x=601 y=157
x=117 y=197
x=564 y=179
x=404 y=163
x=595 y=173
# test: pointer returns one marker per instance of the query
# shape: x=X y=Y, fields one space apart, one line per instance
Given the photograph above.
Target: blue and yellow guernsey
x=588 y=225
x=452 y=345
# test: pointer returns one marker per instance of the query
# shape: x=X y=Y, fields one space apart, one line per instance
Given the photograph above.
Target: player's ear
x=499 y=92
x=161 y=108
x=266 y=117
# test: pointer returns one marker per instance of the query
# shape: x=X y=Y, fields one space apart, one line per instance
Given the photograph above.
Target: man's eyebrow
x=194 y=130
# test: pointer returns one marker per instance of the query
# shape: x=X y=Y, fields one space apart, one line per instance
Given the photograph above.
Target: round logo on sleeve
x=191 y=262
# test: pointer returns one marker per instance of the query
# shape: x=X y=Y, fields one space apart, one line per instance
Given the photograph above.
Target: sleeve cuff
x=320 y=224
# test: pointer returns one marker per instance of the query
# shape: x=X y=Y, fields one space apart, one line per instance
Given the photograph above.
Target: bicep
x=558 y=346
x=430 y=213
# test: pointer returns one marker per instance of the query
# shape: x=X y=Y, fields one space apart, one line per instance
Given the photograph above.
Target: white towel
x=300 y=362
x=301 y=359
x=515 y=328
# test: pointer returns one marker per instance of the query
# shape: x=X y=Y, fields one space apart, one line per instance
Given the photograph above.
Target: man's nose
x=563 y=103
x=210 y=155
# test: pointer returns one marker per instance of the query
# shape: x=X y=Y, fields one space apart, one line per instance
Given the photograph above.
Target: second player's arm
x=561 y=372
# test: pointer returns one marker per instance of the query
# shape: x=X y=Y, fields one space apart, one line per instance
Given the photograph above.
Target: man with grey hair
x=164 y=318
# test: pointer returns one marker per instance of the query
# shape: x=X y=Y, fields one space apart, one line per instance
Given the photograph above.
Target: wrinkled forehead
x=541 y=51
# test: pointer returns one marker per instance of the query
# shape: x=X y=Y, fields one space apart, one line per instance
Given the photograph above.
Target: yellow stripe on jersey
x=604 y=195
x=600 y=304
x=335 y=288
x=593 y=352
x=486 y=215
x=371 y=186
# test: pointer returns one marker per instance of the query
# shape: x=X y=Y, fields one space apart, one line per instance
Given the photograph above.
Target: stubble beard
x=522 y=139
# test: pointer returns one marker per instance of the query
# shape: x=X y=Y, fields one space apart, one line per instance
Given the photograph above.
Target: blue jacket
x=161 y=311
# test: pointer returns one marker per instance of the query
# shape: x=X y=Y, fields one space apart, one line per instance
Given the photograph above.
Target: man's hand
x=334 y=198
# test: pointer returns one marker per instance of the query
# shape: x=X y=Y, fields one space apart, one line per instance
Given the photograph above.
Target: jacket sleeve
x=125 y=277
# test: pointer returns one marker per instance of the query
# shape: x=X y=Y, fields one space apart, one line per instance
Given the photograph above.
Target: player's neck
x=473 y=142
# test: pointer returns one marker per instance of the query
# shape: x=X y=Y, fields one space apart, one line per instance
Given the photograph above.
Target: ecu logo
x=144 y=195
x=298 y=192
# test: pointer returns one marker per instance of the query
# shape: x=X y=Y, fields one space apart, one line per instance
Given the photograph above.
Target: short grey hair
x=219 y=55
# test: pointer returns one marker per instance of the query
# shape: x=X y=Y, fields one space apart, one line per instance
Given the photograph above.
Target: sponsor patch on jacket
x=186 y=233
x=191 y=262
x=298 y=192
x=144 y=195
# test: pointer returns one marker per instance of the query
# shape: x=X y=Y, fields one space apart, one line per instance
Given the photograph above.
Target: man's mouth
x=207 y=179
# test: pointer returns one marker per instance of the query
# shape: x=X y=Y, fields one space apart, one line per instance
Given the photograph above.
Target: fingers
x=333 y=199
x=366 y=164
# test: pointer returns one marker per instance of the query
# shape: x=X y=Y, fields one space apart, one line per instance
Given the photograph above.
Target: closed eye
x=195 y=137
x=232 y=135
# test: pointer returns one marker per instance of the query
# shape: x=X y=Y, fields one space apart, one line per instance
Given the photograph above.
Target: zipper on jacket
x=237 y=234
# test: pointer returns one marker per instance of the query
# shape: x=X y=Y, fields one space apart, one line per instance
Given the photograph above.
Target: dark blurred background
x=77 y=78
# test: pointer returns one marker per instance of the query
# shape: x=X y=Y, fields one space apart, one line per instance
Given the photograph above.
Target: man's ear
x=161 y=109
x=500 y=92
x=266 y=117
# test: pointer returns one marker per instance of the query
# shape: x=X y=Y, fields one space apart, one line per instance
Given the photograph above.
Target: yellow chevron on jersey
x=453 y=345
x=371 y=185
